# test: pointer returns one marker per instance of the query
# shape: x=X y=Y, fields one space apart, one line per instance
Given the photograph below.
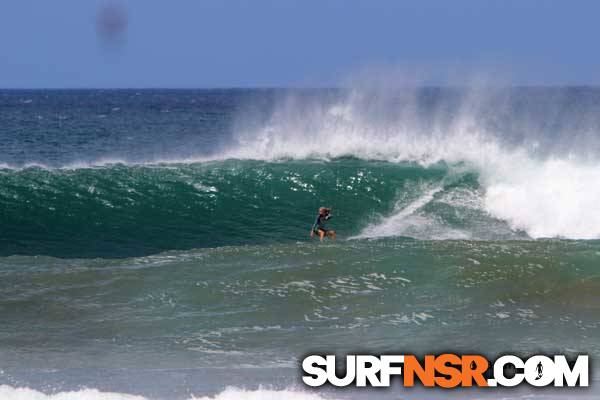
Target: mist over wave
x=534 y=150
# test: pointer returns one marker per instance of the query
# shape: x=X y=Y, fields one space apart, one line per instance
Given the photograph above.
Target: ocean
x=154 y=244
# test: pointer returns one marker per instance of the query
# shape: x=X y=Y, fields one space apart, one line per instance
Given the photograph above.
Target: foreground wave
x=233 y=393
x=11 y=393
x=135 y=210
x=120 y=210
x=425 y=163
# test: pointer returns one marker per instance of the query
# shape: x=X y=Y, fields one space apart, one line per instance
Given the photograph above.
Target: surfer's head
x=324 y=210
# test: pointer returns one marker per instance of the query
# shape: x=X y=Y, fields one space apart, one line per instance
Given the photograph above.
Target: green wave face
x=120 y=211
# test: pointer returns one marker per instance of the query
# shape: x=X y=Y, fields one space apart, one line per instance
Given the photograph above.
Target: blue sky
x=282 y=43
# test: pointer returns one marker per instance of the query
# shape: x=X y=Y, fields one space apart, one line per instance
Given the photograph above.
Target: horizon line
x=527 y=86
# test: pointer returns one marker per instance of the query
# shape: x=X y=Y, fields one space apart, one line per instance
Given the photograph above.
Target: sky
x=295 y=43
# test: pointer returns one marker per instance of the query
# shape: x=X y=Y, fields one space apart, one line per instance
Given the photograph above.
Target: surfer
x=539 y=369
x=319 y=225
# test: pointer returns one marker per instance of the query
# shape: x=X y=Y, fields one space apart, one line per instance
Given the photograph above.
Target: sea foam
x=231 y=393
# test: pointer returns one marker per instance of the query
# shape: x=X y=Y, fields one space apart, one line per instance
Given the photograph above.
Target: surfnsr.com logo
x=446 y=371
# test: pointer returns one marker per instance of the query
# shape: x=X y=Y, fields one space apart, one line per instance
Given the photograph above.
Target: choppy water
x=156 y=242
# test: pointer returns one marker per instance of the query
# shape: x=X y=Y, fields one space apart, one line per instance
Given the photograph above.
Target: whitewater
x=10 y=393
